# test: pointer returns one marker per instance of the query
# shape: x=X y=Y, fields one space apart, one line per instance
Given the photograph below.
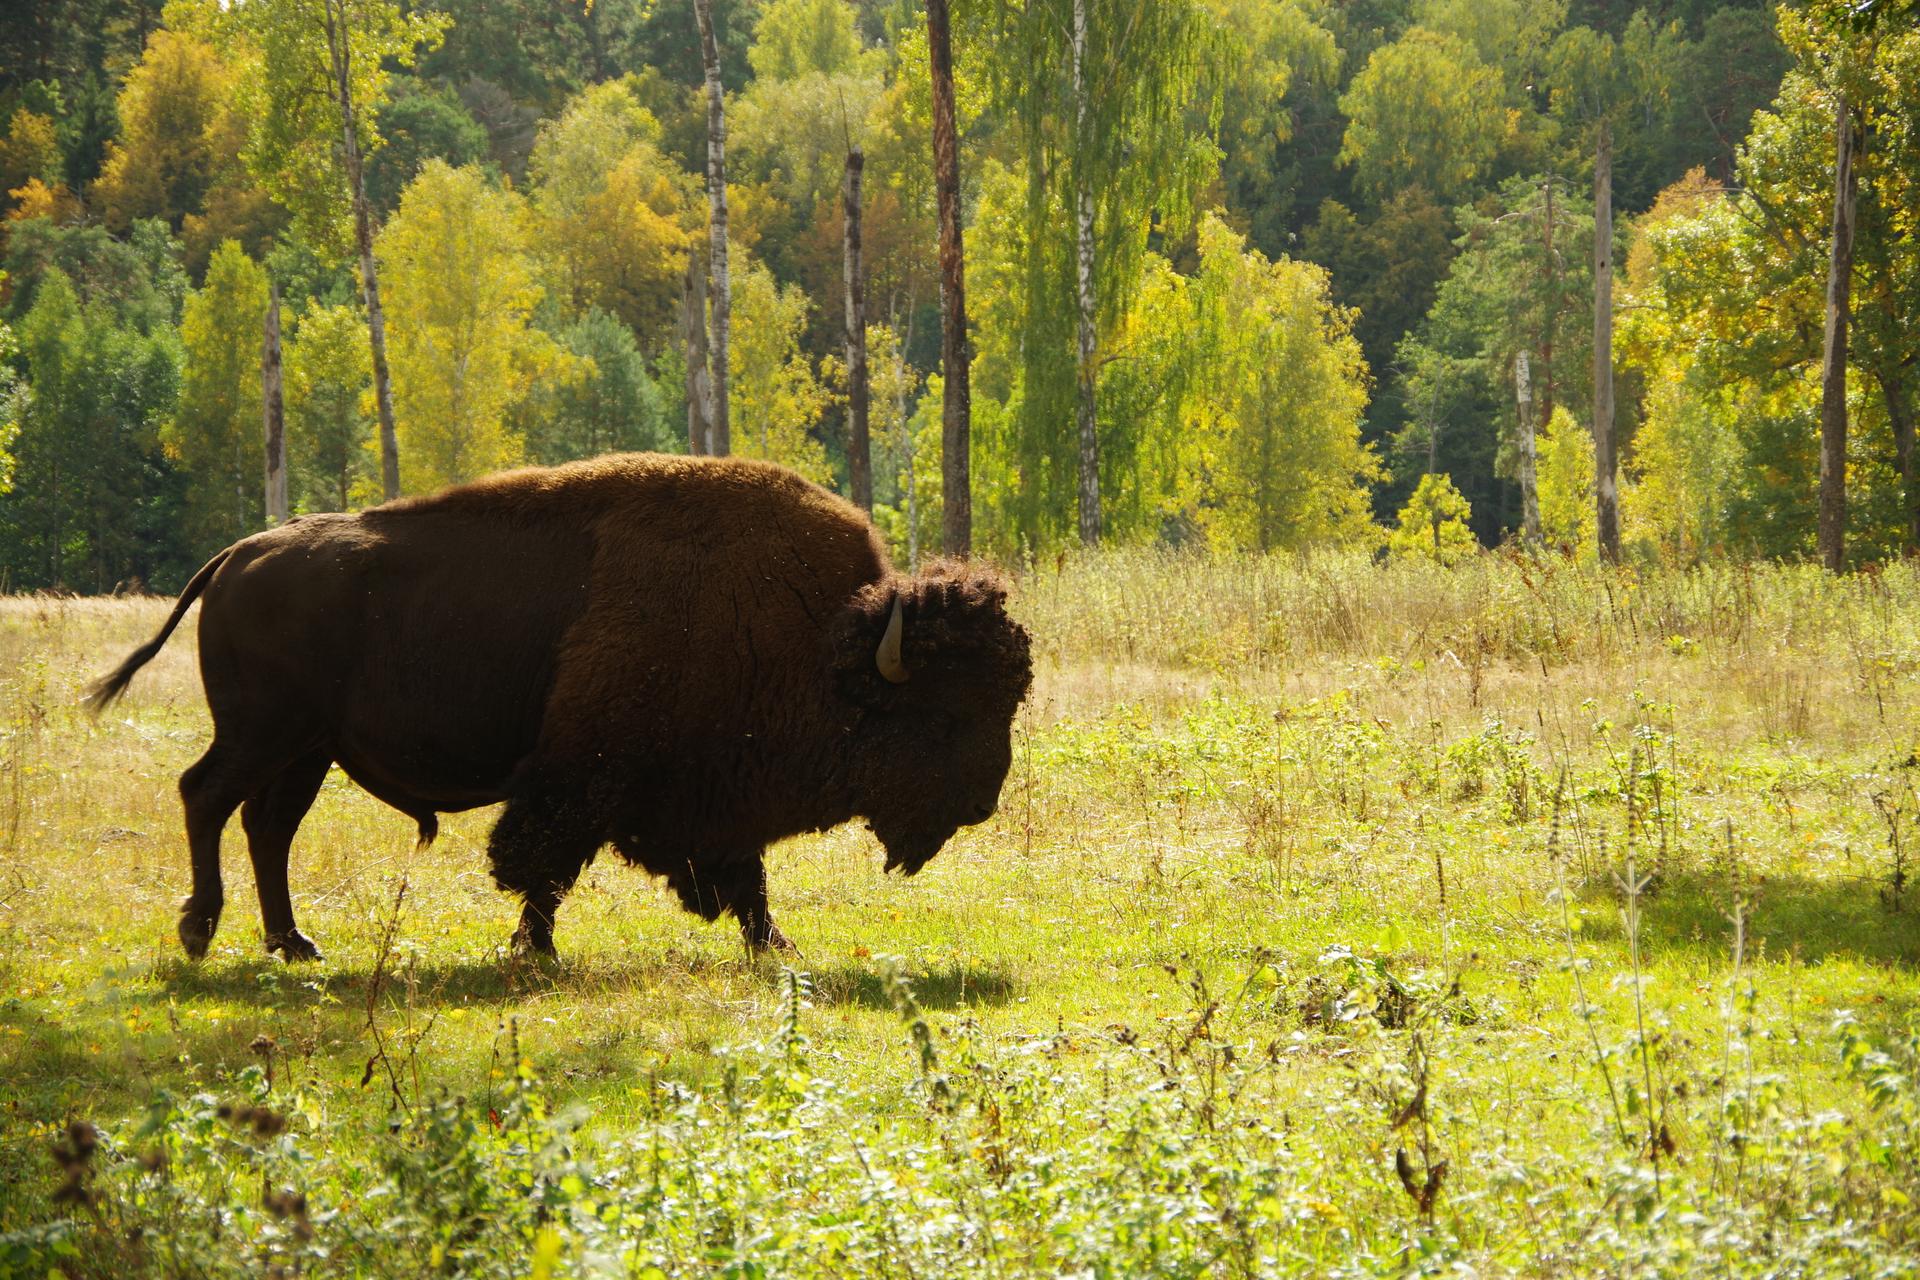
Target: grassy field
x=1338 y=920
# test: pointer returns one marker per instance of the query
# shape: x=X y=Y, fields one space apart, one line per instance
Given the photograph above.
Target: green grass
x=1303 y=865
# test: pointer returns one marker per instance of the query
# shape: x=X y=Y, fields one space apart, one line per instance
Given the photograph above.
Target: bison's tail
x=102 y=693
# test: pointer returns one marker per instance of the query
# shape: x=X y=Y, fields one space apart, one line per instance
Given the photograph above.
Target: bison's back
x=631 y=603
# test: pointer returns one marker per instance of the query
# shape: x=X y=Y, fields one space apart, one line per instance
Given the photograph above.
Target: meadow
x=1339 y=919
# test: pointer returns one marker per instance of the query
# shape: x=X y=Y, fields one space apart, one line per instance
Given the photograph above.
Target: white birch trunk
x=721 y=300
x=1086 y=408
x=273 y=407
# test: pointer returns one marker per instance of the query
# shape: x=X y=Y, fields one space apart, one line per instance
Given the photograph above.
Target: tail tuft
x=105 y=691
x=429 y=830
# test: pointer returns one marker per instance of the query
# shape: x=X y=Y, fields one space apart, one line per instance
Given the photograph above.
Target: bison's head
x=935 y=670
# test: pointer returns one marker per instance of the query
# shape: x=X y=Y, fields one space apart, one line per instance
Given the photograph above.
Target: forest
x=1238 y=274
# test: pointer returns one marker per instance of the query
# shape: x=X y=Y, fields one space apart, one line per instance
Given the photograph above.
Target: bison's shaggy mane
x=955 y=621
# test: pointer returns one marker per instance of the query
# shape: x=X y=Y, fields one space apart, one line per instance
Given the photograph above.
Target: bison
x=684 y=658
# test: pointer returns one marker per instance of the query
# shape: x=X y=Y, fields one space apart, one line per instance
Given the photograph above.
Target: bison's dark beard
x=908 y=851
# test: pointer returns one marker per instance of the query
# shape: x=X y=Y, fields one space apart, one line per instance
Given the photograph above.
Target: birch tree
x=1104 y=93
x=323 y=75
x=721 y=300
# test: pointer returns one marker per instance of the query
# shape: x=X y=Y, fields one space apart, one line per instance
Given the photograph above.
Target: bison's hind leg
x=544 y=839
x=210 y=790
x=270 y=818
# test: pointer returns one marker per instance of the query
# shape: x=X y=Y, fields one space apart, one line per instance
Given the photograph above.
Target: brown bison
x=685 y=658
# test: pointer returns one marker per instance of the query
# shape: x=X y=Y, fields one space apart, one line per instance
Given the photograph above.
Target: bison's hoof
x=527 y=943
x=196 y=929
x=773 y=942
x=294 y=945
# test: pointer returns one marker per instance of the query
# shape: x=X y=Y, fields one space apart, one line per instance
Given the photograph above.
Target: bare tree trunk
x=274 y=411
x=901 y=342
x=1833 y=361
x=1530 y=534
x=341 y=56
x=1553 y=311
x=693 y=334
x=1893 y=390
x=1605 y=467
x=956 y=520
x=1086 y=408
x=859 y=447
x=717 y=226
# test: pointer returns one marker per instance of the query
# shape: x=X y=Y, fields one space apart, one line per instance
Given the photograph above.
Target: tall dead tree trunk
x=1530 y=533
x=341 y=57
x=693 y=336
x=1833 y=360
x=859 y=447
x=722 y=305
x=274 y=412
x=1605 y=466
x=1086 y=408
x=1553 y=311
x=956 y=518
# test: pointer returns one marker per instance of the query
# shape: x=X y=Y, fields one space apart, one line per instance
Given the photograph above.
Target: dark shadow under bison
x=684 y=658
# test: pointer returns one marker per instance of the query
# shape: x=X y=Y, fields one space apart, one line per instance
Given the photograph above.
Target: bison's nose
x=981 y=812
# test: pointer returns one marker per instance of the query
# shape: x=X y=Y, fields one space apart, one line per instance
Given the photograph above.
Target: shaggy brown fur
x=674 y=656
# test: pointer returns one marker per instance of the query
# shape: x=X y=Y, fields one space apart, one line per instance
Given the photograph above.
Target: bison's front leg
x=543 y=840
x=709 y=887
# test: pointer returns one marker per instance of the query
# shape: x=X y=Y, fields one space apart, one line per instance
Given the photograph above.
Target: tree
x=178 y=155
x=1567 y=512
x=956 y=521
x=464 y=292
x=721 y=295
x=778 y=398
x=31 y=150
x=616 y=217
x=323 y=76
x=1102 y=91
x=611 y=405
x=859 y=451
x=421 y=121
x=1433 y=524
x=1276 y=399
x=1599 y=84
x=1423 y=111
x=332 y=451
x=1833 y=359
x=91 y=505
x=215 y=434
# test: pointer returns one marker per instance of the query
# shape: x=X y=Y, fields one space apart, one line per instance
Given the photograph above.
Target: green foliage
x=216 y=437
x=1433 y=524
x=1564 y=471
x=776 y=396
x=91 y=498
x=421 y=121
x=328 y=376
x=795 y=38
x=1727 y=288
x=296 y=139
x=611 y=406
x=1129 y=148
x=615 y=218
x=462 y=292
x=140 y=279
x=1424 y=111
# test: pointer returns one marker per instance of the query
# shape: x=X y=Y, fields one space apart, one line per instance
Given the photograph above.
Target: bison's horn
x=887 y=657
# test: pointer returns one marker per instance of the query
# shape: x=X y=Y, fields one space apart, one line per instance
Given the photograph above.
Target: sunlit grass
x=1281 y=837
